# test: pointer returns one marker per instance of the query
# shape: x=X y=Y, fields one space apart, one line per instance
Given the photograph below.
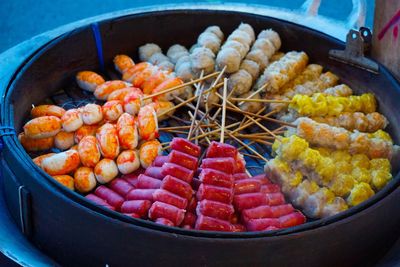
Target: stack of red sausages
x=215 y=195
x=227 y=199
x=262 y=206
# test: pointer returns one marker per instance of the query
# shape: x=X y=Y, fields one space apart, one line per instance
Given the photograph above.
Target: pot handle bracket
x=357 y=44
x=21 y=198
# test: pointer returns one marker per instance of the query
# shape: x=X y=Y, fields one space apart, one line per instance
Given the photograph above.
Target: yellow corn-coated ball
x=355 y=104
x=297 y=179
x=342 y=185
x=359 y=193
x=276 y=145
x=361 y=175
x=281 y=165
x=360 y=161
x=344 y=167
x=292 y=149
x=310 y=158
x=326 y=169
x=314 y=187
x=329 y=195
x=368 y=102
x=380 y=164
x=381 y=134
x=321 y=108
x=380 y=178
x=340 y=155
x=325 y=152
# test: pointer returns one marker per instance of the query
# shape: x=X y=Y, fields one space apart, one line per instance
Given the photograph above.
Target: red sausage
x=217 y=178
x=183 y=159
x=274 y=199
x=164 y=221
x=263 y=178
x=159 y=161
x=140 y=194
x=215 y=209
x=155 y=172
x=147 y=182
x=109 y=196
x=177 y=171
x=261 y=224
x=215 y=193
x=292 y=219
x=238 y=228
x=133 y=215
x=185 y=146
x=192 y=204
x=163 y=210
x=249 y=200
x=132 y=177
x=177 y=186
x=99 y=201
x=121 y=186
x=212 y=224
x=140 y=207
x=270 y=188
x=247 y=186
x=221 y=150
x=170 y=198
x=226 y=165
x=267 y=211
x=190 y=219
x=240 y=176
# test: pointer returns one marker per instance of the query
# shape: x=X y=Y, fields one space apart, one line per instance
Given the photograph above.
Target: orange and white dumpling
x=92 y=114
x=89 y=151
x=84 y=179
x=127 y=132
x=132 y=102
x=72 y=120
x=122 y=63
x=112 y=110
x=148 y=151
x=128 y=161
x=147 y=123
x=104 y=90
x=89 y=80
x=47 y=110
x=107 y=139
x=42 y=127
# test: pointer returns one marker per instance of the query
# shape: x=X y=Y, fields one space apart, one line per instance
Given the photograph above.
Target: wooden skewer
x=256 y=122
x=184 y=127
x=223 y=112
x=195 y=112
x=263 y=142
x=214 y=131
x=176 y=131
x=256 y=92
x=181 y=85
x=250 y=136
x=261 y=100
x=248 y=147
x=258 y=116
x=244 y=126
x=243 y=147
x=201 y=130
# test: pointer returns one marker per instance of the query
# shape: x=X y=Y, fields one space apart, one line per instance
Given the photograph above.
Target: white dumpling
x=241 y=48
x=230 y=58
x=217 y=31
x=158 y=58
x=202 y=60
x=240 y=82
x=251 y=67
x=147 y=50
x=271 y=35
x=258 y=56
x=247 y=28
x=240 y=36
x=209 y=40
x=265 y=45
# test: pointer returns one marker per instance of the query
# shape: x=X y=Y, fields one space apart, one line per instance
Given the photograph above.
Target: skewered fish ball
x=158 y=58
x=240 y=47
x=202 y=58
x=259 y=57
x=230 y=58
x=215 y=30
x=252 y=107
x=240 y=82
x=240 y=36
x=209 y=40
x=265 y=45
x=147 y=50
x=166 y=65
x=251 y=67
x=248 y=29
x=272 y=36
x=184 y=71
x=176 y=51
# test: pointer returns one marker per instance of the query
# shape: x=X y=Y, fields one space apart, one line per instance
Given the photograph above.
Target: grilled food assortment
x=331 y=152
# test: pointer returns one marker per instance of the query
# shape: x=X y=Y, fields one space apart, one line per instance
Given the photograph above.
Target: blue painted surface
x=23 y=19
